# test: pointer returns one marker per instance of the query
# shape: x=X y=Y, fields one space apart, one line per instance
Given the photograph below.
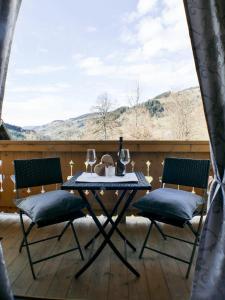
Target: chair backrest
x=37 y=172
x=186 y=172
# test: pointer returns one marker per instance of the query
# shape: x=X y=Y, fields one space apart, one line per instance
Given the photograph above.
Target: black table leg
x=109 y=218
x=108 y=235
x=107 y=221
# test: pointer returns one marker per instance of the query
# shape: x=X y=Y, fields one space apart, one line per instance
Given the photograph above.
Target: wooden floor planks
x=161 y=277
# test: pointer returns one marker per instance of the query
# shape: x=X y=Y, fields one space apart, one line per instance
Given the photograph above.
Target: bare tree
x=104 y=119
x=134 y=102
x=137 y=108
x=180 y=111
x=144 y=126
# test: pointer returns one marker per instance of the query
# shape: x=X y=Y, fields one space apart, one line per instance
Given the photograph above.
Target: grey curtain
x=8 y=15
x=206 y=20
x=5 y=290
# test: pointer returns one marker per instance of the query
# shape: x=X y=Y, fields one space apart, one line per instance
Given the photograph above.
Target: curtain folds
x=206 y=21
x=8 y=14
x=9 y=10
x=5 y=289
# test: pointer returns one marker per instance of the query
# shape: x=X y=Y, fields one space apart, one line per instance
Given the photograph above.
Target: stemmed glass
x=124 y=157
x=91 y=157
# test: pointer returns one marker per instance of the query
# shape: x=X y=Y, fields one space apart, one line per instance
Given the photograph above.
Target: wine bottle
x=120 y=168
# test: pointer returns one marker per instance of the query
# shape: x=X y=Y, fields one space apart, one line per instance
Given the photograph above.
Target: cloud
x=128 y=37
x=145 y=6
x=149 y=73
x=158 y=45
x=47 y=107
x=156 y=48
x=91 y=29
x=94 y=66
x=48 y=88
x=156 y=51
x=155 y=33
x=40 y=70
x=77 y=56
x=43 y=50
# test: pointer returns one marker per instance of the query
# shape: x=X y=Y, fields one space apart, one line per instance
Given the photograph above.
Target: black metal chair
x=47 y=208
x=174 y=206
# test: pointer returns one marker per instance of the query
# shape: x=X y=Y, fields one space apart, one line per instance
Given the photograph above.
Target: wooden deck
x=161 y=277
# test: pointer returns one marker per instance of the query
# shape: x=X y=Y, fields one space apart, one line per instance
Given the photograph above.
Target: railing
x=146 y=156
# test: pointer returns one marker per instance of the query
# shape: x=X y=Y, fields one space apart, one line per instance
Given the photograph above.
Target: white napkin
x=88 y=177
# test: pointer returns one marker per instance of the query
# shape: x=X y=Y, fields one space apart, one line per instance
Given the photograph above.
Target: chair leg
x=197 y=235
x=146 y=239
x=191 y=228
x=77 y=241
x=63 y=231
x=192 y=257
x=26 y=232
x=160 y=230
x=26 y=244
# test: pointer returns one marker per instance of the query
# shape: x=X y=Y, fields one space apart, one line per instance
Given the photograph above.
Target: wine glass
x=124 y=157
x=91 y=157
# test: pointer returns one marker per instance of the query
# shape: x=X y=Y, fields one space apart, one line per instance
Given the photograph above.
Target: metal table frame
x=128 y=191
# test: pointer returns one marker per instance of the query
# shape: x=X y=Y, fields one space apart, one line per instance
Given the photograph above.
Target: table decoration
x=88 y=177
x=106 y=161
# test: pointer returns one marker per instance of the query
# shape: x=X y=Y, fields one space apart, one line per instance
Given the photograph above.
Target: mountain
x=19 y=133
x=169 y=115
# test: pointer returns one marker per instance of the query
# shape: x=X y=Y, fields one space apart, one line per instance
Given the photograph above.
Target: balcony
x=146 y=156
x=161 y=277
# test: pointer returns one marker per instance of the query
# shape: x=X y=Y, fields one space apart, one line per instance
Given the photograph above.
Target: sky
x=67 y=53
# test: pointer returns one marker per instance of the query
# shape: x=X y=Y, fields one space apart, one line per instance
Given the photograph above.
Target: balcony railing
x=146 y=156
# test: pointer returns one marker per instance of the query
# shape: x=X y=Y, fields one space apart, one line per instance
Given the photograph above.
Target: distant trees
x=134 y=101
x=139 y=117
x=155 y=108
x=104 y=120
x=177 y=116
x=169 y=116
x=180 y=112
x=144 y=127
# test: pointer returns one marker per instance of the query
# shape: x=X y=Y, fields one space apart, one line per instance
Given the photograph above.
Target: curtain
x=9 y=10
x=206 y=21
x=8 y=14
x=5 y=290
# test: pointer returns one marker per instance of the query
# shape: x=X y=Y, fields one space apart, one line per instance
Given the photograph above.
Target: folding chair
x=174 y=206
x=47 y=208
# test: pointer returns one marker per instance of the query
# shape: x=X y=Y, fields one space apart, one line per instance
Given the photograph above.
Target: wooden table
x=127 y=192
